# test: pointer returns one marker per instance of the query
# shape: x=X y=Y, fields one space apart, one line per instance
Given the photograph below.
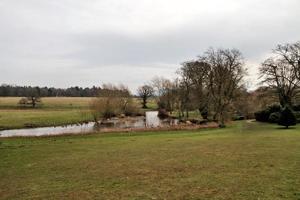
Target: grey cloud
x=41 y=43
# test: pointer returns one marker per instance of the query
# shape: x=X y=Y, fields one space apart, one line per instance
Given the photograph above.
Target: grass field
x=247 y=160
x=52 y=112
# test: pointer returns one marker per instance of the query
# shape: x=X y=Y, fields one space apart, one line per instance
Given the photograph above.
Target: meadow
x=53 y=111
x=246 y=160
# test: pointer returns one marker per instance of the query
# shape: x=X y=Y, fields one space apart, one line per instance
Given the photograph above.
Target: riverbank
x=242 y=161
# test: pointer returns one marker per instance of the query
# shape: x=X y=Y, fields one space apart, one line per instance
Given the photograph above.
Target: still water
x=151 y=120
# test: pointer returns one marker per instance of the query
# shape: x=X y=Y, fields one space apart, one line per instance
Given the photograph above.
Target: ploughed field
x=247 y=160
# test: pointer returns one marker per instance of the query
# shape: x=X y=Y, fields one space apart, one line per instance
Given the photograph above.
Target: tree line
x=25 y=91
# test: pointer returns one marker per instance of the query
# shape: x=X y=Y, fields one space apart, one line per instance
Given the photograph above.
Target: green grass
x=49 y=103
x=10 y=119
x=53 y=111
x=244 y=161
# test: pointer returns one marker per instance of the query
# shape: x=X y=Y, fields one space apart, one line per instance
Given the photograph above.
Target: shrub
x=130 y=108
x=204 y=113
x=274 y=117
x=296 y=107
x=274 y=108
x=23 y=102
x=162 y=113
x=263 y=115
x=287 y=117
x=297 y=115
x=105 y=107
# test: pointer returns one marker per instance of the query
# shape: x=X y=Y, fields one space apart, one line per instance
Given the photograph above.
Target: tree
x=33 y=97
x=112 y=101
x=282 y=71
x=290 y=54
x=194 y=74
x=287 y=117
x=145 y=92
x=224 y=79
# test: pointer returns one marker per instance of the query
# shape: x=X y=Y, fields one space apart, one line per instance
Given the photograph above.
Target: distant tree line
x=25 y=91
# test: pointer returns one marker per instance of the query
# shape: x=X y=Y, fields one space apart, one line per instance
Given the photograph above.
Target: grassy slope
x=245 y=161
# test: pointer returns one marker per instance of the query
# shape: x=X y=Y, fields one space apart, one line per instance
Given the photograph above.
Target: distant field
x=49 y=102
x=53 y=111
x=247 y=160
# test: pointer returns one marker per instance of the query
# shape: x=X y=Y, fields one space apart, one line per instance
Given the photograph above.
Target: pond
x=150 y=120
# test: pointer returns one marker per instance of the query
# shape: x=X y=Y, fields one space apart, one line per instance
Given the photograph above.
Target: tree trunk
x=144 y=102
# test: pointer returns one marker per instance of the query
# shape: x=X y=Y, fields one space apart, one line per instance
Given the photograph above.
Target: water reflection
x=149 y=121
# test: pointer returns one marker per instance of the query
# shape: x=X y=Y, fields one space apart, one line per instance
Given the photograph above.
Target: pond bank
x=150 y=120
x=210 y=125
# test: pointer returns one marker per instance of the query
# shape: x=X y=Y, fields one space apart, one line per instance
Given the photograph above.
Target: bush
x=287 y=118
x=23 y=102
x=105 y=107
x=274 y=117
x=162 y=113
x=274 y=108
x=264 y=115
x=297 y=115
x=130 y=108
x=296 y=108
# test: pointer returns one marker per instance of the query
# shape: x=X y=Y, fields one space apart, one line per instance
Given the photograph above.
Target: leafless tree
x=145 y=92
x=167 y=93
x=282 y=71
x=194 y=75
x=112 y=101
x=225 y=77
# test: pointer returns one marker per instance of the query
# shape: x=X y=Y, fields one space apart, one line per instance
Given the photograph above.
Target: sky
x=64 y=43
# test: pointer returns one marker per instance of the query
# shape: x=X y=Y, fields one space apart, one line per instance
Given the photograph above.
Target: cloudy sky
x=64 y=43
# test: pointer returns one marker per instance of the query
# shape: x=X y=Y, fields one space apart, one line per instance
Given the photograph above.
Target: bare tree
x=112 y=101
x=194 y=75
x=225 y=77
x=282 y=71
x=145 y=92
x=166 y=91
x=290 y=55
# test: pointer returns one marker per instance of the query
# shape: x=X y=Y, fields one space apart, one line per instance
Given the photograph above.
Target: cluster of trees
x=24 y=91
x=213 y=84
x=208 y=84
x=281 y=73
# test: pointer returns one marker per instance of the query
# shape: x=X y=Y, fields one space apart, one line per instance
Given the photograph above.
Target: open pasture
x=247 y=160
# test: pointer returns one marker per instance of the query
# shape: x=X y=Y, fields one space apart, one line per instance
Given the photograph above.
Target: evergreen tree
x=287 y=117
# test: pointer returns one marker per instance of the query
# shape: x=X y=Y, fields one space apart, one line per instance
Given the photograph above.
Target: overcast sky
x=64 y=43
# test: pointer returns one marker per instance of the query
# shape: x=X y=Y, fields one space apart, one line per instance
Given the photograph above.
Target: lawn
x=247 y=160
